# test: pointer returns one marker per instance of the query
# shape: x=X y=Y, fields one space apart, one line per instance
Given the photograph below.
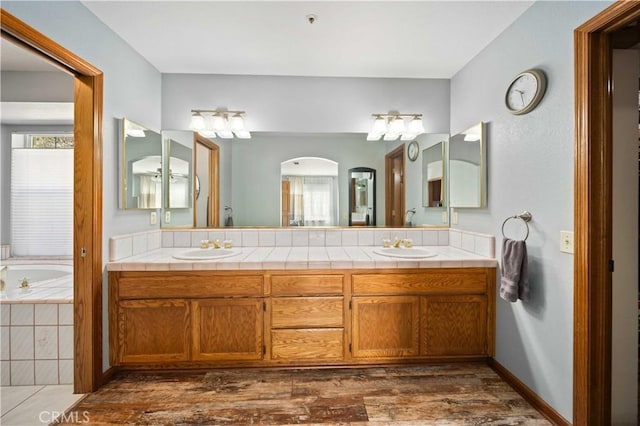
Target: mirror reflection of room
x=467 y=184
x=142 y=167
x=434 y=170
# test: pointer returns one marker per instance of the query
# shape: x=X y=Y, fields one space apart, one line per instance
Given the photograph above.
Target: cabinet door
x=385 y=326
x=454 y=325
x=152 y=331
x=227 y=329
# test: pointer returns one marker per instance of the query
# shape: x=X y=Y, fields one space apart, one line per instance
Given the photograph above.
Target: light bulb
x=408 y=136
x=379 y=126
x=397 y=125
x=372 y=136
x=415 y=126
x=197 y=121
x=219 y=123
x=225 y=134
x=237 y=123
x=243 y=134
x=391 y=136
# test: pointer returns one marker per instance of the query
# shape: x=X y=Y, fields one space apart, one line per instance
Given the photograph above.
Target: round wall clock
x=413 y=150
x=525 y=91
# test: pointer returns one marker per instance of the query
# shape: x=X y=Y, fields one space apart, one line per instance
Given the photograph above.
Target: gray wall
x=624 y=361
x=256 y=171
x=530 y=166
x=305 y=104
x=5 y=169
x=36 y=86
x=131 y=89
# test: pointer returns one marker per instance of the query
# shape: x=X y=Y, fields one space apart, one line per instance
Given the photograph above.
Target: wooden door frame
x=87 y=199
x=592 y=215
x=213 y=207
x=388 y=183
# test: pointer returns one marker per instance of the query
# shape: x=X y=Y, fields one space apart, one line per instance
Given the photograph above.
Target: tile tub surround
x=132 y=248
x=36 y=343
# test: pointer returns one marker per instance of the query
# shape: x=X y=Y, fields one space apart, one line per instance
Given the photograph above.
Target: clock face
x=525 y=92
x=412 y=151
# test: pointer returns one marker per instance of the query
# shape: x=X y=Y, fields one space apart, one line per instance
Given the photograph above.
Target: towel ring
x=525 y=216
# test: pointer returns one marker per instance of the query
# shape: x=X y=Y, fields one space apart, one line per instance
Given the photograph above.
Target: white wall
x=131 y=89
x=530 y=166
x=624 y=362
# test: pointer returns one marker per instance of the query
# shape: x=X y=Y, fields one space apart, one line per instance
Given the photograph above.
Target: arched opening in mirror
x=309 y=192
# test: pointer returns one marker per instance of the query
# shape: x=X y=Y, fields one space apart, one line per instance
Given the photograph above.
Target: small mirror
x=362 y=196
x=467 y=168
x=141 y=167
x=177 y=178
x=434 y=176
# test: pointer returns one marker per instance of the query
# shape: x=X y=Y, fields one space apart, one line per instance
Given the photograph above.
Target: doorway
x=593 y=262
x=394 y=187
x=206 y=183
x=87 y=190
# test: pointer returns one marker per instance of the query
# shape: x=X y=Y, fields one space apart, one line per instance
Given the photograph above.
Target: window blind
x=42 y=202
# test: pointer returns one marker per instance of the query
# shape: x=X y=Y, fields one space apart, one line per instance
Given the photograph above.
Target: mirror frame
x=352 y=195
x=483 y=167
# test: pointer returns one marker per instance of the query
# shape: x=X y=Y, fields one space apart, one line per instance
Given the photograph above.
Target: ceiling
x=16 y=58
x=396 y=39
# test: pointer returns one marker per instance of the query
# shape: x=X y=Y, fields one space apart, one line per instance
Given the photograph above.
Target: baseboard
x=108 y=375
x=530 y=396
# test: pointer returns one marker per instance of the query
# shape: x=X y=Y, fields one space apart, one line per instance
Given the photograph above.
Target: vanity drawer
x=301 y=285
x=307 y=344
x=300 y=312
x=194 y=285
x=468 y=280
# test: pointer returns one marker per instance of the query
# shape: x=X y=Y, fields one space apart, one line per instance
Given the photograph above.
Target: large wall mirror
x=252 y=186
x=362 y=196
x=141 y=167
x=434 y=185
x=467 y=168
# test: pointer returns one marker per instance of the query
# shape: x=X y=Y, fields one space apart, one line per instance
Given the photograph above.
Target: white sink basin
x=405 y=253
x=206 y=254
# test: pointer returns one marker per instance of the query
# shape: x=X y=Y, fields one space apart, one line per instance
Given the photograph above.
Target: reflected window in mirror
x=309 y=192
x=467 y=168
x=141 y=164
x=362 y=196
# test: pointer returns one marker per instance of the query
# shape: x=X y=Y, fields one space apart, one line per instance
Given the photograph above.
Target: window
x=42 y=195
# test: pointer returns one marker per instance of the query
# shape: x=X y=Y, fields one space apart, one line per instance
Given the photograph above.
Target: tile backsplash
x=124 y=246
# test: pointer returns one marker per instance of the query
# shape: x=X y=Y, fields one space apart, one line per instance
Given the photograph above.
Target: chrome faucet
x=408 y=217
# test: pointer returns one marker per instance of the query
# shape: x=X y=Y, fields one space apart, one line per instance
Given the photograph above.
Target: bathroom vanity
x=300 y=317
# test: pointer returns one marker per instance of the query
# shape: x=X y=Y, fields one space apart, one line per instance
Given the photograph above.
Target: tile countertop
x=255 y=258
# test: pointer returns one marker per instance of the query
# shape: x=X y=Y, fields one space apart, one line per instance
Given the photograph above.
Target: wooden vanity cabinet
x=201 y=319
x=307 y=318
x=424 y=314
x=185 y=317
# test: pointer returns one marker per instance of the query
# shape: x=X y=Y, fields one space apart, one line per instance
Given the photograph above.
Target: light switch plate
x=153 y=218
x=167 y=217
x=445 y=217
x=566 y=241
x=454 y=217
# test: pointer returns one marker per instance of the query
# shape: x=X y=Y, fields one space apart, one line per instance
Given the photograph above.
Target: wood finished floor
x=448 y=394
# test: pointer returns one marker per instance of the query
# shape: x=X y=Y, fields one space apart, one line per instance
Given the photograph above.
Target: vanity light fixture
x=221 y=123
x=392 y=126
x=133 y=130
